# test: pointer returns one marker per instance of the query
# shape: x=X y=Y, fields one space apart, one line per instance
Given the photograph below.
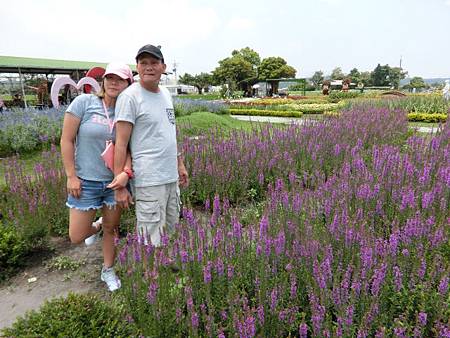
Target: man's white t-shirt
x=153 y=142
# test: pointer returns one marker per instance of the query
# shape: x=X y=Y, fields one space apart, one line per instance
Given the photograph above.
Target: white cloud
x=239 y=23
x=447 y=2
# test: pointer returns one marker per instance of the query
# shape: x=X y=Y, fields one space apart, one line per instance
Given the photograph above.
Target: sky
x=195 y=34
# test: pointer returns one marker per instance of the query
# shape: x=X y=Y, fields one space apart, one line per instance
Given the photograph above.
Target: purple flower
x=378 y=279
x=152 y=291
x=397 y=278
x=273 y=299
x=194 y=320
x=422 y=318
x=400 y=332
x=260 y=313
x=303 y=330
x=230 y=271
x=443 y=286
x=220 y=267
x=207 y=273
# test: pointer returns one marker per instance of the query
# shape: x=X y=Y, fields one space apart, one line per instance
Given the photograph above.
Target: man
x=145 y=119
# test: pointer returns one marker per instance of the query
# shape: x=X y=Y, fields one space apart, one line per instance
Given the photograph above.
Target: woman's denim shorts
x=94 y=194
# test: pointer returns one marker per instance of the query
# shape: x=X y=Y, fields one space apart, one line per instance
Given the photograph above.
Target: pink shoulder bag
x=108 y=153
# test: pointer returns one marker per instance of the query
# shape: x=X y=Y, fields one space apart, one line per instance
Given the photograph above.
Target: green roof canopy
x=15 y=64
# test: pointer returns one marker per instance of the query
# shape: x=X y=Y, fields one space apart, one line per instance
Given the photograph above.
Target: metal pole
x=23 y=89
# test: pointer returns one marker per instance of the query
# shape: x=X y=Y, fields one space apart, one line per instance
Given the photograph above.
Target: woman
x=88 y=124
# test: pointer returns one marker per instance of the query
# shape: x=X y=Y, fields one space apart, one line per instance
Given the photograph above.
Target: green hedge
x=336 y=96
x=316 y=108
x=266 y=112
x=427 y=117
x=75 y=316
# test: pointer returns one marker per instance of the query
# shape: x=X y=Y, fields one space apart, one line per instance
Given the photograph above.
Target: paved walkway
x=296 y=120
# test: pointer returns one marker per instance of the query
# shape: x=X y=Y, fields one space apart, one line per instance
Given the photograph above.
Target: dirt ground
x=18 y=295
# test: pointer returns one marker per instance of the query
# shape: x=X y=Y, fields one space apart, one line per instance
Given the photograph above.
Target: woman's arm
x=68 y=137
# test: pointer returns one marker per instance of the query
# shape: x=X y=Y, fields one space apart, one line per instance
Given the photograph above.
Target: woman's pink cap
x=120 y=69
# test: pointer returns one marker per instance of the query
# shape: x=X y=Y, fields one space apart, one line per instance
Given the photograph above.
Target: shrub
x=74 y=316
x=426 y=117
x=316 y=108
x=188 y=106
x=336 y=96
x=12 y=250
x=25 y=130
x=266 y=112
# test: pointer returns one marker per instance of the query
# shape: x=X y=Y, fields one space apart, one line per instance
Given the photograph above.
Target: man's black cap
x=152 y=50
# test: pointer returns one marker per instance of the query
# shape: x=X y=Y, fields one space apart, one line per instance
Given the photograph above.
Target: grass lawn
x=198 y=123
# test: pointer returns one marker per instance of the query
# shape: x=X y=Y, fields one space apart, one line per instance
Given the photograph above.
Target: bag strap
x=110 y=124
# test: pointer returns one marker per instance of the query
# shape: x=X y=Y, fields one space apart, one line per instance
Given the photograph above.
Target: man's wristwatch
x=129 y=173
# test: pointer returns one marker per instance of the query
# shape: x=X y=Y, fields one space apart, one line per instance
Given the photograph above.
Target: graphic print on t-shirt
x=171 y=115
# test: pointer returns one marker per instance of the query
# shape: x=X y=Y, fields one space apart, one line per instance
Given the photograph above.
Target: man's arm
x=183 y=176
x=123 y=134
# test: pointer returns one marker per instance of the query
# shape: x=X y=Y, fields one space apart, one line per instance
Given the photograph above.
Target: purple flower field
x=352 y=241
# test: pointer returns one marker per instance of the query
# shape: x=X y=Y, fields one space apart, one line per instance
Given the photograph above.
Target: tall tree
x=275 y=67
x=355 y=75
x=364 y=77
x=201 y=81
x=337 y=74
x=317 y=79
x=380 y=75
x=417 y=82
x=240 y=69
x=395 y=75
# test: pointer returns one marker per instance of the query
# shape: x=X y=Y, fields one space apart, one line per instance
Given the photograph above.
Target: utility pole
x=400 y=62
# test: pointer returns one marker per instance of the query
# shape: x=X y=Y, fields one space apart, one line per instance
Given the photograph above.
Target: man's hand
x=182 y=175
x=123 y=198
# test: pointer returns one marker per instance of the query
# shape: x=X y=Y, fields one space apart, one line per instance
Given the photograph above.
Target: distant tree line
x=241 y=71
x=244 y=68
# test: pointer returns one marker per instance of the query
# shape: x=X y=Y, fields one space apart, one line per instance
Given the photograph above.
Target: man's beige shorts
x=157 y=210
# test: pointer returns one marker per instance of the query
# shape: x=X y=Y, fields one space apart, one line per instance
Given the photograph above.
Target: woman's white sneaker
x=95 y=237
x=110 y=278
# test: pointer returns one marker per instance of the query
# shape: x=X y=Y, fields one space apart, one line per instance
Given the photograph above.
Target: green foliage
x=336 y=96
x=275 y=68
x=395 y=75
x=23 y=131
x=242 y=65
x=201 y=81
x=426 y=117
x=200 y=122
x=380 y=75
x=12 y=250
x=417 y=82
x=316 y=108
x=74 y=316
x=266 y=112
x=337 y=74
x=64 y=263
x=317 y=79
x=35 y=201
x=429 y=104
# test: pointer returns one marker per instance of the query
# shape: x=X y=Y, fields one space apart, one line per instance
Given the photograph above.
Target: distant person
x=326 y=87
x=88 y=125
x=345 y=85
x=146 y=124
x=446 y=90
x=2 y=105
